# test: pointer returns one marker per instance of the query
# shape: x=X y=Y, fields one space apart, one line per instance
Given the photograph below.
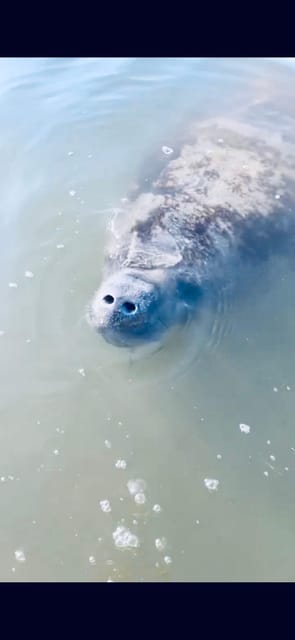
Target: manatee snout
x=132 y=308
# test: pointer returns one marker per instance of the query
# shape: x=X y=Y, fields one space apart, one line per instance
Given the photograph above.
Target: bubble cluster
x=105 y=506
x=124 y=539
x=244 y=428
x=20 y=556
x=167 y=150
x=139 y=498
x=121 y=464
x=136 y=486
x=157 y=508
x=211 y=484
x=160 y=544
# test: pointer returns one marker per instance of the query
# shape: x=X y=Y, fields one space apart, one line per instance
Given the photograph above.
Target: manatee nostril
x=129 y=307
x=109 y=299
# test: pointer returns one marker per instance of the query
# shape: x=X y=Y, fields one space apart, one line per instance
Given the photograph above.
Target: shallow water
x=80 y=419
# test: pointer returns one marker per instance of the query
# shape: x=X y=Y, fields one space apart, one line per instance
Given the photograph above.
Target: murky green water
x=80 y=421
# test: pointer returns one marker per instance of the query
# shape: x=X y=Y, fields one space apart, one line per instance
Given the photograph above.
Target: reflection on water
x=119 y=466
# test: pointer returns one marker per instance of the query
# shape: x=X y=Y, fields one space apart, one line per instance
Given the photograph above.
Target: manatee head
x=134 y=307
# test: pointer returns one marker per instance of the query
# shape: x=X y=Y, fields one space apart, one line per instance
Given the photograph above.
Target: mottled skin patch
x=227 y=174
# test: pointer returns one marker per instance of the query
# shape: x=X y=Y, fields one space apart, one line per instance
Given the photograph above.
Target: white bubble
x=265 y=473
x=121 y=464
x=13 y=285
x=277 y=196
x=19 y=555
x=2 y=479
x=105 y=506
x=2 y=333
x=70 y=153
x=72 y=192
x=272 y=458
x=60 y=246
x=157 y=508
x=92 y=560
x=244 y=428
x=124 y=539
x=197 y=521
x=275 y=389
x=139 y=498
x=108 y=444
x=268 y=442
x=211 y=484
x=220 y=140
x=288 y=388
x=56 y=452
x=167 y=559
x=82 y=372
x=136 y=486
x=219 y=456
x=286 y=468
x=29 y=274
x=28 y=340
x=160 y=544
x=89 y=155
x=167 y=150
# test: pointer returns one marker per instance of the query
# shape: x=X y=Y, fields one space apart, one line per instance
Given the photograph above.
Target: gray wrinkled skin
x=224 y=192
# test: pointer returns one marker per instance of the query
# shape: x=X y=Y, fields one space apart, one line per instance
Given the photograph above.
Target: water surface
x=81 y=421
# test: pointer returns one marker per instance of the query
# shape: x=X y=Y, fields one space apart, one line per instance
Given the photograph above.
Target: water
x=119 y=467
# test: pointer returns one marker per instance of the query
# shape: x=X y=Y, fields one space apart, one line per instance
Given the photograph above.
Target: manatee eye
x=109 y=299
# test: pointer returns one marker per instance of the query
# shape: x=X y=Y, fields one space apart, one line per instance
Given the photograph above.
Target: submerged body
x=229 y=186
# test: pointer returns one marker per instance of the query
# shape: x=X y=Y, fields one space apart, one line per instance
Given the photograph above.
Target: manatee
x=226 y=191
